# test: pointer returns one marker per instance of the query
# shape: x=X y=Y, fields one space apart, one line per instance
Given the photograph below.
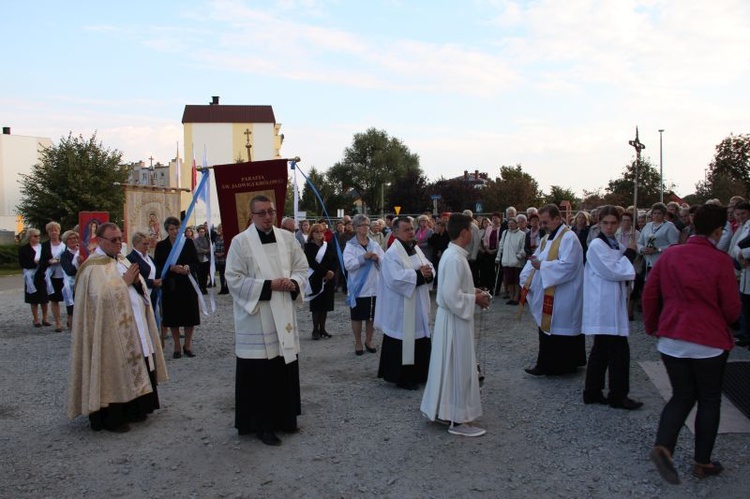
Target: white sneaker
x=466 y=430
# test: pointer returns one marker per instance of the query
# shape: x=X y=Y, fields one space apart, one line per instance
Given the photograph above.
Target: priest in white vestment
x=116 y=357
x=452 y=390
x=553 y=281
x=266 y=271
x=403 y=309
x=605 y=313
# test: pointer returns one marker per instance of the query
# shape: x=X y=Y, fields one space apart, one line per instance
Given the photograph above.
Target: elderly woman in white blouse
x=70 y=260
x=656 y=236
x=34 y=276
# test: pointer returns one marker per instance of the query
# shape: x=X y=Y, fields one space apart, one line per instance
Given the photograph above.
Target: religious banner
x=88 y=223
x=146 y=208
x=238 y=183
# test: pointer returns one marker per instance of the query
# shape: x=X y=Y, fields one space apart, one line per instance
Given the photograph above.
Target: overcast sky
x=558 y=86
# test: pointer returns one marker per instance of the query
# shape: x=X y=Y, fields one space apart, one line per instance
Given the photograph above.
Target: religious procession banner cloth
x=146 y=208
x=238 y=183
x=88 y=223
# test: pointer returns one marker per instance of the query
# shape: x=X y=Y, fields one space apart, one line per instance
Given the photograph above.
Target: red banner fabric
x=88 y=222
x=238 y=183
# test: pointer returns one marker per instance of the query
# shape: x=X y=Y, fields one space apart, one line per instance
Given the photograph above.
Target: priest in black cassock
x=265 y=271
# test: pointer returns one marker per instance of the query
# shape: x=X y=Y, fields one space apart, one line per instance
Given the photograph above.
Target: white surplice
x=249 y=265
x=397 y=283
x=566 y=273
x=605 y=290
x=452 y=389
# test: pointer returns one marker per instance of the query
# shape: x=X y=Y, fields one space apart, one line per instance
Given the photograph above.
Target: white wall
x=18 y=154
x=220 y=150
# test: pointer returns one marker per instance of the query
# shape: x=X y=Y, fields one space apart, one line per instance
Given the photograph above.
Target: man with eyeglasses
x=403 y=309
x=116 y=355
x=265 y=271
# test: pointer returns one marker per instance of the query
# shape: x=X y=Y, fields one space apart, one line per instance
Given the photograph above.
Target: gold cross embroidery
x=289 y=328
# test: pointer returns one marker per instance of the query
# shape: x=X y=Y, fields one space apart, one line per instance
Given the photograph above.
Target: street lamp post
x=661 y=169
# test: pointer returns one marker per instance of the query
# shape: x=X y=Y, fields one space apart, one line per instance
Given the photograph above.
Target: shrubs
x=9 y=256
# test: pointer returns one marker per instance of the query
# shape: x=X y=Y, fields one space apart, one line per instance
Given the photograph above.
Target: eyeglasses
x=270 y=212
x=113 y=240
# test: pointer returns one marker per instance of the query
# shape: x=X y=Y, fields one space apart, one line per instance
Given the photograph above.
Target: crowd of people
x=579 y=274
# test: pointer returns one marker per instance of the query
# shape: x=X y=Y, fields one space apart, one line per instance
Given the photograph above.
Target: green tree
x=455 y=195
x=410 y=192
x=592 y=199
x=289 y=200
x=309 y=201
x=332 y=194
x=729 y=172
x=559 y=194
x=373 y=160
x=620 y=190
x=513 y=187
x=75 y=175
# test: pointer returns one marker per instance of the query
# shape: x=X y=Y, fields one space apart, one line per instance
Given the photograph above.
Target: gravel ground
x=360 y=437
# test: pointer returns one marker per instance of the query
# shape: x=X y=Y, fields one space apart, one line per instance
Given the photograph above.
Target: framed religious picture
x=88 y=223
x=146 y=208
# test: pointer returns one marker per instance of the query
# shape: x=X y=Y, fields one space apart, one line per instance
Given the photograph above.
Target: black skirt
x=392 y=370
x=364 y=310
x=179 y=303
x=57 y=286
x=324 y=301
x=40 y=297
x=267 y=395
x=561 y=354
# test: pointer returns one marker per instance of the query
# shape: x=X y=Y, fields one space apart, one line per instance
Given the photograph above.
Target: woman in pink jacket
x=689 y=301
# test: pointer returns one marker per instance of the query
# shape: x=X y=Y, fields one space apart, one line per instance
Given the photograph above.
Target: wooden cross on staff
x=638 y=148
x=248 y=146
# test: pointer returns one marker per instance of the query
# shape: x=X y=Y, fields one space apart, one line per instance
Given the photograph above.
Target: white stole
x=309 y=296
x=409 y=324
x=139 y=304
x=281 y=308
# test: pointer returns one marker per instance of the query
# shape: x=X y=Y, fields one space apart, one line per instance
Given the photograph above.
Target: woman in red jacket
x=689 y=301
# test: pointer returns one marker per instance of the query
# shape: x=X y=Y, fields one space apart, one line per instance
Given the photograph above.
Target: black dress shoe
x=269 y=438
x=359 y=352
x=316 y=335
x=138 y=418
x=407 y=385
x=371 y=349
x=626 y=403
x=188 y=353
x=535 y=371
x=123 y=428
x=176 y=355
x=324 y=334
x=596 y=398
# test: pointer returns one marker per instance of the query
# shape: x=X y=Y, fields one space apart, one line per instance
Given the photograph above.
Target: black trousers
x=203 y=270
x=609 y=353
x=693 y=380
x=221 y=267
